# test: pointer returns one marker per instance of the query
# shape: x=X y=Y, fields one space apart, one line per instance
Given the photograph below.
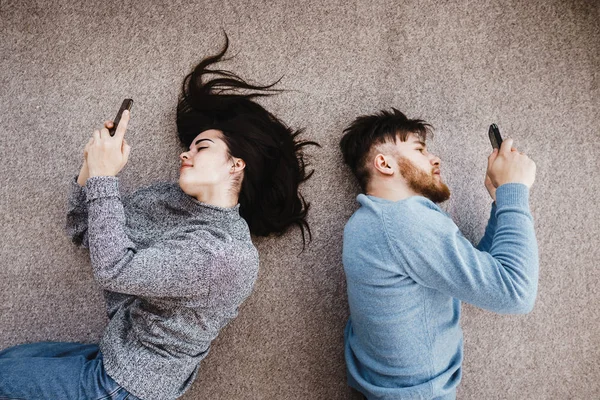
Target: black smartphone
x=495 y=137
x=127 y=103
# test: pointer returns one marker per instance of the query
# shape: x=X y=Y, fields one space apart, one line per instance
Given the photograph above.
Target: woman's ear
x=238 y=165
x=382 y=165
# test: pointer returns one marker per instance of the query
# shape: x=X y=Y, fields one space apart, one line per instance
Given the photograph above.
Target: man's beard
x=423 y=183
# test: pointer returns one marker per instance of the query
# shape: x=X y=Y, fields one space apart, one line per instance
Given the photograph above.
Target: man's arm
x=486 y=241
x=434 y=253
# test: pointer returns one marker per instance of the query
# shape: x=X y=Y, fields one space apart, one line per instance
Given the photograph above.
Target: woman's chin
x=183 y=184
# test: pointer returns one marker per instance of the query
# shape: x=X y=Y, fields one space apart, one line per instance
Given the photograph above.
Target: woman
x=175 y=260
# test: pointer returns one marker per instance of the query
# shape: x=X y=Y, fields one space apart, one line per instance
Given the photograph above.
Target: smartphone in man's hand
x=495 y=137
x=127 y=103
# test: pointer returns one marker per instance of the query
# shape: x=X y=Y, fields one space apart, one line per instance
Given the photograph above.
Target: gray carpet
x=531 y=67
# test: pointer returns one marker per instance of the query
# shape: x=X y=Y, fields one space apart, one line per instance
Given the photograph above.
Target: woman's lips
x=185 y=166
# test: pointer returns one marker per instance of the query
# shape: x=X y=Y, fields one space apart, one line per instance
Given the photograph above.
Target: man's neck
x=391 y=192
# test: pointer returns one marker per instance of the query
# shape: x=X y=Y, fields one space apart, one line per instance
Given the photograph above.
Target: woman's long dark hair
x=269 y=198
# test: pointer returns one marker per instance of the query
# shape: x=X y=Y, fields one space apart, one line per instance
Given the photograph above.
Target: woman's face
x=207 y=164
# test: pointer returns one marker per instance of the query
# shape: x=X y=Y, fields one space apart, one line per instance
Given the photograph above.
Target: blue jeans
x=57 y=370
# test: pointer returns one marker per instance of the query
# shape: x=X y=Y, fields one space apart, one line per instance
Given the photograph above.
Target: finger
x=95 y=135
x=108 y=124
x=514 y=150
x=122 y=127
x=104 y=133
x=506 y=146
x=492 y=158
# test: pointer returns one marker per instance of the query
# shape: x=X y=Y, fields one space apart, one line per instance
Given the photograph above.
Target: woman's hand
x=106 y=155
x=84 y=174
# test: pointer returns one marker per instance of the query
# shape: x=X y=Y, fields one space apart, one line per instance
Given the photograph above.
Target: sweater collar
x=198 y=208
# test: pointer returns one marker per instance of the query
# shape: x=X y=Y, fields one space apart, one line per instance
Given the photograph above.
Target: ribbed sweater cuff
x=102 y=186
x=512 y=194
x=78 y=191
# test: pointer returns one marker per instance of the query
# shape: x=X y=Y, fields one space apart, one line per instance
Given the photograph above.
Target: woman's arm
x=77 y=213
x=175 y=267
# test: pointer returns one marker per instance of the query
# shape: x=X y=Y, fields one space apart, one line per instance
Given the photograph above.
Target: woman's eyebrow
x=200 y=140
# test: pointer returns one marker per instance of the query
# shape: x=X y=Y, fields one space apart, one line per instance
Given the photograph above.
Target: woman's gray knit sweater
x=174 y=272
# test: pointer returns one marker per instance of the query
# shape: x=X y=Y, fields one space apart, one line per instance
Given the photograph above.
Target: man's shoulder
x=416 y=213
x=411 y=212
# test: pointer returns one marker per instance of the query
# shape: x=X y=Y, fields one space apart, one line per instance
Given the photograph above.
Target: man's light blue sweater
x=408 y=267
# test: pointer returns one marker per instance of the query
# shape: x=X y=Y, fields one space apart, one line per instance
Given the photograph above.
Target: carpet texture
x=531 y=67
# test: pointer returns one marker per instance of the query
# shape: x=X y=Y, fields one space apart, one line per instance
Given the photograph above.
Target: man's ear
x=382 y=164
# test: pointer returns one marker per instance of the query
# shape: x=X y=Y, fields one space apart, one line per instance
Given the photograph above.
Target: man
x=408 y=267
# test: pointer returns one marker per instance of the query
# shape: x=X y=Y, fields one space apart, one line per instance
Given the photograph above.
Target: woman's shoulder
x=159 y=186
x=150 y=190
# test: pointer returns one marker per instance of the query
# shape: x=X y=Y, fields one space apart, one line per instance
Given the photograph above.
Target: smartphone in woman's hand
x=127 y=103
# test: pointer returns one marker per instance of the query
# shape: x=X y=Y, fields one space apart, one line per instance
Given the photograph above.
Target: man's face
x=421 y=169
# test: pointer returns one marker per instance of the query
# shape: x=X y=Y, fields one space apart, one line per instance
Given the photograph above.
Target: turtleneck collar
x=198 y=208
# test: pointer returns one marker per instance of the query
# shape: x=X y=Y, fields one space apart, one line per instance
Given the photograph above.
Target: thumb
x=506 y=146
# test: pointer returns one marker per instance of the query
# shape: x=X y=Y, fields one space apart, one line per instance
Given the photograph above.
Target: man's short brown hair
x=367 y=131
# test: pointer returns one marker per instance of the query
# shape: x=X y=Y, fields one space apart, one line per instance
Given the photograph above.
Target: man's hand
x=106 y=155
x=508 y=165
x=490 y=187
